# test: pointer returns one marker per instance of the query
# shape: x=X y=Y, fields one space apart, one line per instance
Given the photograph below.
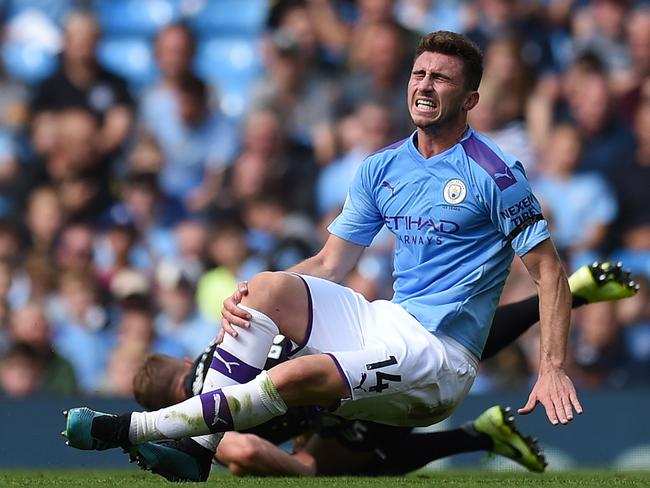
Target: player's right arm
x=334 y=261
x=350 y=233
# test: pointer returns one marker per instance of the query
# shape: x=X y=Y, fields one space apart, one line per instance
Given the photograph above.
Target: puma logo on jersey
x=502 y=175
x=385 y=184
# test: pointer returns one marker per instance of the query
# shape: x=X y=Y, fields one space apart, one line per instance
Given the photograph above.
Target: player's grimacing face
x=436 y=89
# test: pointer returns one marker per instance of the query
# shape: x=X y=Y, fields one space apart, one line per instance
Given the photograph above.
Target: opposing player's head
x=159 y=382
x=444 y=80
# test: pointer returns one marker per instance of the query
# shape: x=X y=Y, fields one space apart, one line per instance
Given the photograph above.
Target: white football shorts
x=398 y=372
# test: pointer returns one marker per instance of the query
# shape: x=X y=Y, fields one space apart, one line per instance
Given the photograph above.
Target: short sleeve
x=516 y=212
x=360 y=220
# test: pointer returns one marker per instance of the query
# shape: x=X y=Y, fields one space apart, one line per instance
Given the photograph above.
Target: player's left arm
x=553 y=388
x=518 y=216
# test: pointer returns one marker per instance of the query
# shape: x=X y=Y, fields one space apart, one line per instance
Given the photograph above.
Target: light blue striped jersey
x=458 y=217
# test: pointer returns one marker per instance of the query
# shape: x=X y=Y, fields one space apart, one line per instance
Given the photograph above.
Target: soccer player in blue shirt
x=460 y=209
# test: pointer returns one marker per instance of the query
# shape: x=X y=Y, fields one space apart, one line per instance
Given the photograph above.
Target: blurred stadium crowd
x=155 y=152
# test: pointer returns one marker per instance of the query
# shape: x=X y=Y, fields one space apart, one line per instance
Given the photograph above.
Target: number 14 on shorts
x=381 y=378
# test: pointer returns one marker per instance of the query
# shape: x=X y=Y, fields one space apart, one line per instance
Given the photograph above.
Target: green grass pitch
x=465 y=479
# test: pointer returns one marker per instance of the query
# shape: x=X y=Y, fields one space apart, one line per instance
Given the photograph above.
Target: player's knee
x=270 y=292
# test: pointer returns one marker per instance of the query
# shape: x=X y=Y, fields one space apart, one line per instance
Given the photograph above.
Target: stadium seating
x=31 y=42
x=228 y=17
x=27 y=62
x=230 y=64
x=135 y=17
x=129 y=57
x=56 y=10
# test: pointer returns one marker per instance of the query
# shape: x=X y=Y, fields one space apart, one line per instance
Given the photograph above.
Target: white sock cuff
x=262 y=320
x=269 y=394
x=250 y=346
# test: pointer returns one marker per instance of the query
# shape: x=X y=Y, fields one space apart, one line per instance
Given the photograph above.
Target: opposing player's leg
x=499 y=425
x=368 y=449
x=601 y=282
x=589 y=284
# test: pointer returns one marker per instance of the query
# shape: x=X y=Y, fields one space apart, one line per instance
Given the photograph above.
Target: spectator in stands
x=269 y=158
x=71 y=161
x=123 y=362
x=504 y=66
x=136 y=325
x=332 y=26
x=378 y=58
x=226 y=253
x=13 y=104
x=114 y=249
x=146 y=155
x=602 y=32
x=20 y=371
x=74 y=248
x=369 y=129
x=428 y=16
x=175 y=48
x=496 y=18
x=304 y=100
x=278 y=235
x=598 y=348
x=506 y=85
x=584 y=97
x=152 y=215
x=44 y=219
x=34 y=279
x=638 y=84
x=631 y=232
x=80 y=327
x=80 y=82
x=196 y=154
x=190 y=237
x=309 y=24
x=135 y=337
x=634 y=314
x=178 y=319
x=581 y=205
x=10 y=240
x=608 y=143
x=29 y=325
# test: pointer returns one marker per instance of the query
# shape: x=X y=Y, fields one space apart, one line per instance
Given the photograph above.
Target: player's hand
x=232 y=314
x=555 y=391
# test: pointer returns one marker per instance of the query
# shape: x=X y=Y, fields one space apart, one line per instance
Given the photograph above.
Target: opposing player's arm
x=553 y=389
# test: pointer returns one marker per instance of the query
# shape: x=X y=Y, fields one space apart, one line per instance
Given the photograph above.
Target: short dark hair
x=453 y=44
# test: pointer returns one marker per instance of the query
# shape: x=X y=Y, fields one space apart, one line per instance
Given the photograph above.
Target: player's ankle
x=113 y=429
